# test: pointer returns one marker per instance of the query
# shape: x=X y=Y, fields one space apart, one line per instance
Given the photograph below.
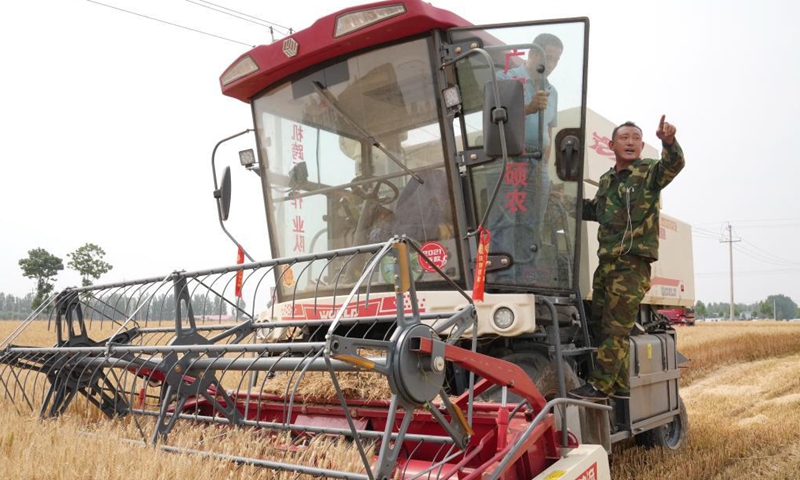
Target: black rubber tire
x=542 y=370
x=671 y=436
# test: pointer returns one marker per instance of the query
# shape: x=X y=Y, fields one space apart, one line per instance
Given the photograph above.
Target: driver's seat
x=422 y=211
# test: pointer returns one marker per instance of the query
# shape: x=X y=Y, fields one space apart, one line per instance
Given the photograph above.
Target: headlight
x=350 y=22
x=247 y=157
x=503 y=318
x=242 y=68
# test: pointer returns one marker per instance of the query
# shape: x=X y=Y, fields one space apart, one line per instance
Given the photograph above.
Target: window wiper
x=323 y=92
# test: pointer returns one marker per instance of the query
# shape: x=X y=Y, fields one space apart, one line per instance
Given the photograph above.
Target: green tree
x=88 y=261
x=785 y=308
x=766 y=309
x=700 y=309
x=42 y=266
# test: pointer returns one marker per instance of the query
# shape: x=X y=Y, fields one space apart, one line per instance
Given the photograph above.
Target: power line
x=170 y=23
x=760 y=254
x=705 y=235
x=288 y=30
x=703 y=230
x=765 y=256
x=745 y=273
x=767 y=225
x=767 y=221
x=234 y=16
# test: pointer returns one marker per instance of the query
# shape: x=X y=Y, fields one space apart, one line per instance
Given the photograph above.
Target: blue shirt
x=532 y=120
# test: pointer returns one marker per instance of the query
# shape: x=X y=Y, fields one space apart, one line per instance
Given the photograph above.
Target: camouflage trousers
x=617 y=290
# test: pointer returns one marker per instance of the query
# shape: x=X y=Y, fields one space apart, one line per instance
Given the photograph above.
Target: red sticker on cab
x=436 y=253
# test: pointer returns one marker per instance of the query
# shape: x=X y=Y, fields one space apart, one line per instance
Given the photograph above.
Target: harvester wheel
x=544 y=374
x=542 y=370
x=671 y=436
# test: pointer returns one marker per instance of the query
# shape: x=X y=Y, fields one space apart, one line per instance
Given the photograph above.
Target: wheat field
x=742 y=393
x=741 y=389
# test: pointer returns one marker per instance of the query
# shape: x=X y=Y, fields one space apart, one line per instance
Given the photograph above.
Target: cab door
x=533 y=220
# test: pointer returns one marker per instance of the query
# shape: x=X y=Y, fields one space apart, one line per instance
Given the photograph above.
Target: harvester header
x=385 y=377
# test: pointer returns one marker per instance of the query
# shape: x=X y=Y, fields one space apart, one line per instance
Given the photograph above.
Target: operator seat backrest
x=422 y=211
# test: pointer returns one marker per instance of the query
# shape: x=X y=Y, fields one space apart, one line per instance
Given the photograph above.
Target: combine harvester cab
x=401 y=181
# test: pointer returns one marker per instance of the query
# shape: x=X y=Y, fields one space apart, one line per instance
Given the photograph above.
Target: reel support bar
x=497 y=371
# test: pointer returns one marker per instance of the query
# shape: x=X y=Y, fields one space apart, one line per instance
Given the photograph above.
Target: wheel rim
x=672 y=432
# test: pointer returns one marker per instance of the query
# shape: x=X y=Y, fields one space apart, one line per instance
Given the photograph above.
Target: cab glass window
x=532 y=221
x=345 y=146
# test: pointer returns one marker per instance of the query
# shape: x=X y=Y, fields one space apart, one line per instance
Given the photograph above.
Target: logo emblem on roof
x=290 y=47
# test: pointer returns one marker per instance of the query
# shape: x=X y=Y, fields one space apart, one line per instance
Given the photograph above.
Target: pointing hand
x=666 y=131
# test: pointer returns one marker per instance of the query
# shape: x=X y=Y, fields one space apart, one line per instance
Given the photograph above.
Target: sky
x=108 y=120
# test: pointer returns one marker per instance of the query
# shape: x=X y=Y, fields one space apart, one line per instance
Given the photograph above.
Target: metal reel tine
x=170 y=368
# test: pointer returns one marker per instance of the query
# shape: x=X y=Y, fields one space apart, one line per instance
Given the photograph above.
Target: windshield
x=532 y=222
x=354 y=156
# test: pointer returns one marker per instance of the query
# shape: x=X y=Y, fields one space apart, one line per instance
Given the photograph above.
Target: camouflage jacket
x=627 y=205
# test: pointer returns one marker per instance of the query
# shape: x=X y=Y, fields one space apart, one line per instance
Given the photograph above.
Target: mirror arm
x=218 y=194
x=499 y=120
x=214 y=154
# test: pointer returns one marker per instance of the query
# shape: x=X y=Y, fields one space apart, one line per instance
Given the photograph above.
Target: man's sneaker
x=621 y=395
x=588 y=392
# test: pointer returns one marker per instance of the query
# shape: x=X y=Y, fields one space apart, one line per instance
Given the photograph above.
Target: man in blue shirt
x=532 y=191
x=540 y=95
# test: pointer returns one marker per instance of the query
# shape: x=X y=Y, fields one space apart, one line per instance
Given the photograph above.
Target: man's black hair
x=626 y=124
x=545 y=39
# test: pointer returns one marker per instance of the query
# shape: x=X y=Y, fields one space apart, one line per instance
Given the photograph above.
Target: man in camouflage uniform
x=627 y=208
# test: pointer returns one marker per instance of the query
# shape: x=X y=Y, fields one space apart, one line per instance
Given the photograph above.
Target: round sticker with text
x=436 y=253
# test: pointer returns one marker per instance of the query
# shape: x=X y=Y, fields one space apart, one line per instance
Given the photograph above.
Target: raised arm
x=672 y=161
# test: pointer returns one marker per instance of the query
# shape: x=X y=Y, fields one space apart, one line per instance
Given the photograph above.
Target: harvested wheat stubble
x=60 y=449
x=742 y=394
x=318 y=386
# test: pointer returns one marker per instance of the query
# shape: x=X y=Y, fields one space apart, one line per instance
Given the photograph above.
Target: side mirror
x=223 y=195
x=511 y=110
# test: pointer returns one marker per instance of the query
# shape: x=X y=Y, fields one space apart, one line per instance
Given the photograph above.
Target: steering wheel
x=374 y=193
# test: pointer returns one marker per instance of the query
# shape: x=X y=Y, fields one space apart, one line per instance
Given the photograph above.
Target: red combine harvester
x=402 y=180
x=678 y=316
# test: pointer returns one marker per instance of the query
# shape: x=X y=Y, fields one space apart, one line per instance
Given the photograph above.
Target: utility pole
x=730 y=241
